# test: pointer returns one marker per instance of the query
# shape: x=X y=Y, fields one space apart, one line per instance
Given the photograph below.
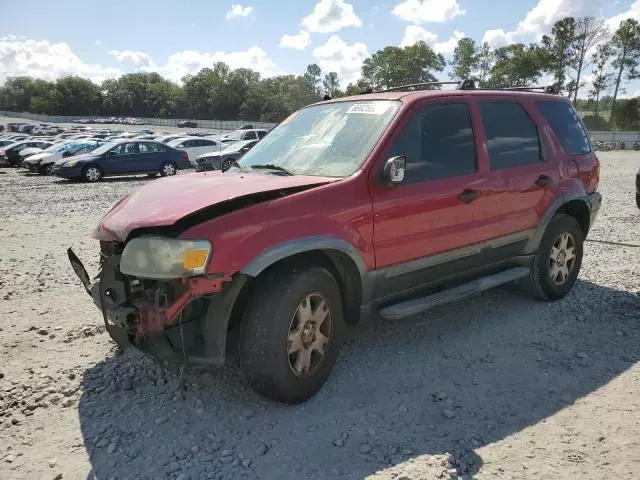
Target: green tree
x=484 y=63
x=602 y=78
x=518 y=65
x=626 y=51
x=314 y=75
x=77 y=94
x=589 y=33
x=626 y=114
x=331 y=84
x=561 y=46
x=395 y=66
x=466 y=59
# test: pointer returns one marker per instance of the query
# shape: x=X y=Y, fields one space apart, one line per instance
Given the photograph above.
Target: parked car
x=195 y=146
x=126 y=157
x=12 y=152
x=27 y=152
x=43 y=163
x=240 y=135
x=170 y=137
x=391 y=202
x=222 y=160
x=188 y=124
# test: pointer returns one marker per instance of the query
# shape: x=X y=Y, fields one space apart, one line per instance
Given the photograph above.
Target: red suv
x=391 y=202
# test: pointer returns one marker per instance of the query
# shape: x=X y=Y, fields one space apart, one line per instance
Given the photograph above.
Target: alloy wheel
x=309 y=335
x=562 y=259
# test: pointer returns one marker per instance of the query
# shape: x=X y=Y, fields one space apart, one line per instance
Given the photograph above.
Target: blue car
x=124 y=157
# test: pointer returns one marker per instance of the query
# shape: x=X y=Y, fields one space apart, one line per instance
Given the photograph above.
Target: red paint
x=387 y=225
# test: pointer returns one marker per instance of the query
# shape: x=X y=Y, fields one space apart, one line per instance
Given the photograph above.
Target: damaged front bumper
x=175 y=321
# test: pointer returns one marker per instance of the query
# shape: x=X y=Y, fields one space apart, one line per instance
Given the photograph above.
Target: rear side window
x=511 y=135
x=565 y=123
x=261 y=133
x=438 y=143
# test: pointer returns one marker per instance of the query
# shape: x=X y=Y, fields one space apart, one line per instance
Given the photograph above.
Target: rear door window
x=565 y=123
x=512 y=137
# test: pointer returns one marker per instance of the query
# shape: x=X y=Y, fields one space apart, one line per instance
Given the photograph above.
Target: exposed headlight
x=70 y=163
x=157 y=257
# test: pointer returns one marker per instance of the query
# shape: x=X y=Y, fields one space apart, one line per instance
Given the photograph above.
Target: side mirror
x=394 y=170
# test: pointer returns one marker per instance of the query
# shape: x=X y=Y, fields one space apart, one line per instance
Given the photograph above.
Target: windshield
x=237 y=135
x=324 y=140
x=104 y=148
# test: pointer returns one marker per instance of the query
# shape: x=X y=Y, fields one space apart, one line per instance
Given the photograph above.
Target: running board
x=419 y=305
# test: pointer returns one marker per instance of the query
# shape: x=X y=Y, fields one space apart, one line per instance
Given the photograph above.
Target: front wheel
x=92 y=173
x=556 y=264
x=291 y=334
x=46 y=169
x=167 y=169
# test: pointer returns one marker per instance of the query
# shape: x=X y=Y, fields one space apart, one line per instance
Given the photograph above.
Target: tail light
x=185 y=156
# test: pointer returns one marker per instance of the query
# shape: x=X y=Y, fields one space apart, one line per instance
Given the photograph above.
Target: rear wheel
x=168 y=168
x=227 y=164
x=557 y=262
x=92 y=173
x=638 y=199
x=291 y=333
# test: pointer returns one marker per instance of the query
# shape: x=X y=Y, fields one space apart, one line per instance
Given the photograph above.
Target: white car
x=170 y=137
x=42 y=162
x=27 y=152
x=195 y=146
x=241 y=135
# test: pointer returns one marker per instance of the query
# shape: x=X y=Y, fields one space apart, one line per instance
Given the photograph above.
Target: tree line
x=576 y=48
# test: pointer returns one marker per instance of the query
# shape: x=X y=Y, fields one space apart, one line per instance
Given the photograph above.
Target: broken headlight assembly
x=165 y=258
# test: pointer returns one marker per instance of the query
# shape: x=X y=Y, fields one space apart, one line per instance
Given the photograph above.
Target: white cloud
x=419 y=11
x=329 y=16
x=632 y=12
x=540 y=19
x=299 y=41
x=97 y=43
x=449 y=46
x=49 y=61
x=138 y=58
x=413 y=34
x=337 y=56
x=497 y=38
x=238 y=10
x=190 y=61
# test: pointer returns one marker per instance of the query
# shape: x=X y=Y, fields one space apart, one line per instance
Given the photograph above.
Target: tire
x=151 y=175
x=168 y=168
x=638 y=199
x=226 y=164
x=46 y=169
x=553 y=279
x=92 y=173
x=271 y=329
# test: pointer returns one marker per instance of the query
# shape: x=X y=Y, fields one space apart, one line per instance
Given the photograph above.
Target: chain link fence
x=216 y=125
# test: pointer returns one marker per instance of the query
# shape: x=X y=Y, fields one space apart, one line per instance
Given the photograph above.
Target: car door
x=433 y=225
x=122 y=159
x=518 y=160
x=149 y=157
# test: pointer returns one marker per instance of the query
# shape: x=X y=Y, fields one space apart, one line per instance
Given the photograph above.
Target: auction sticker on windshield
x=371 y=108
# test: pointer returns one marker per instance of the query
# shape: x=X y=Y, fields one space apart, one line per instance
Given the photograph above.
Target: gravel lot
x=499 y=386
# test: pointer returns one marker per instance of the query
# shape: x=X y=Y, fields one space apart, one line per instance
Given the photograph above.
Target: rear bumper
x=595 y=202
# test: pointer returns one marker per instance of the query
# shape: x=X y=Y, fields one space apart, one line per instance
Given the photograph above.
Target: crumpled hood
x=164 y=201
x=37 y=157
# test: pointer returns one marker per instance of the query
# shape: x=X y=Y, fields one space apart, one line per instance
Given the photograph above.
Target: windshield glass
x=104 y=148
x=324 y=140
x=237 y=135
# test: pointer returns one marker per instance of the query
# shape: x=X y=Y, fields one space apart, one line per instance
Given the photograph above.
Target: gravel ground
x=499 y=386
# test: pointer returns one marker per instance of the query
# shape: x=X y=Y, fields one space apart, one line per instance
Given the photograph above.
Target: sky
x=100 y=40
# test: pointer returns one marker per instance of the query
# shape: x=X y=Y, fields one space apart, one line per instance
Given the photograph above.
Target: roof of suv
x=411 y=96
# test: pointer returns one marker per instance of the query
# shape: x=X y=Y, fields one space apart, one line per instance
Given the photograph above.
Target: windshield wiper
x=234 y=163
x=271 y=166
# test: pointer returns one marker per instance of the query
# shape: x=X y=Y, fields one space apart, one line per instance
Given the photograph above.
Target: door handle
x=544 y=180
x=468 y=196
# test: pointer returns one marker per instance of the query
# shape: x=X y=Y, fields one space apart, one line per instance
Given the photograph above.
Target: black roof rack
x=417 y=86
x=467 y=84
